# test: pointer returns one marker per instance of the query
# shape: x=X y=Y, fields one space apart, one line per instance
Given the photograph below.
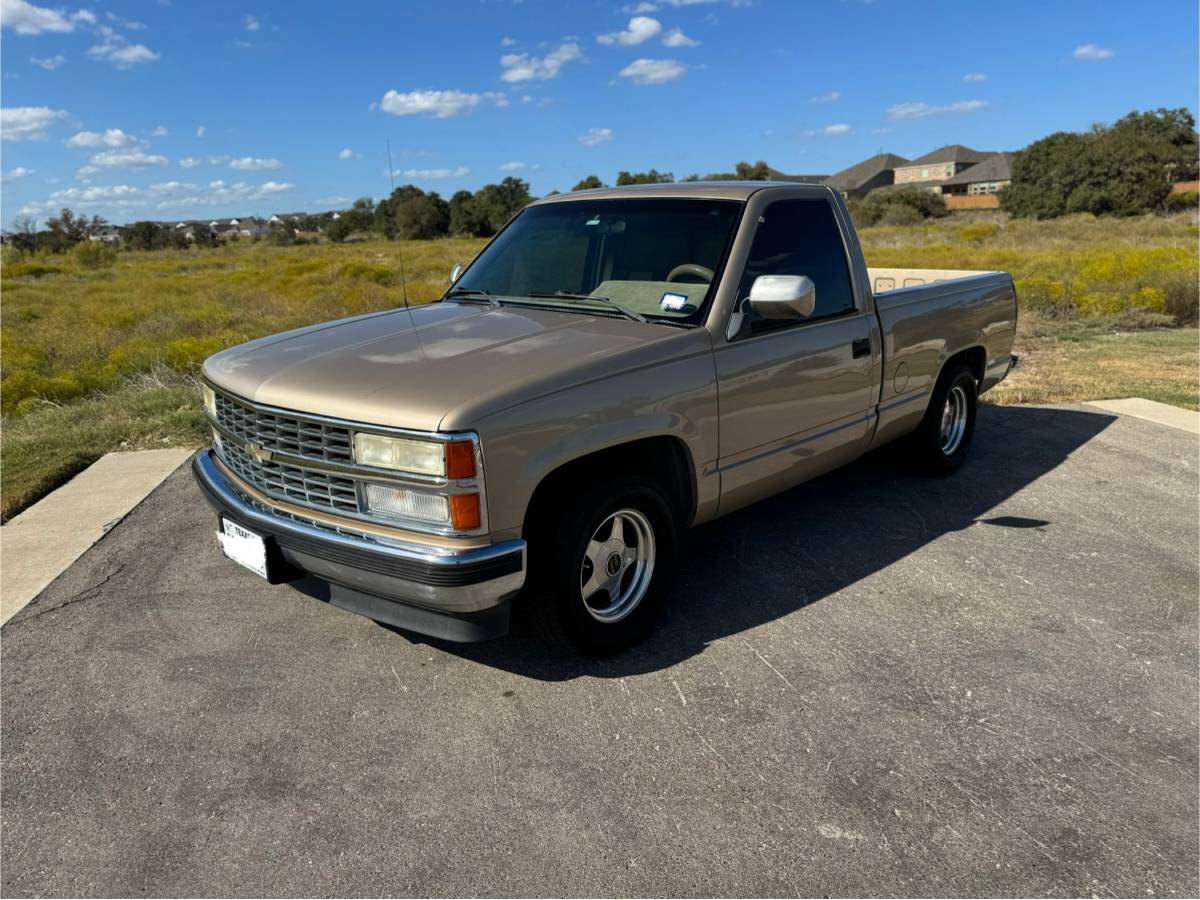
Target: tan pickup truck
x=615 y=367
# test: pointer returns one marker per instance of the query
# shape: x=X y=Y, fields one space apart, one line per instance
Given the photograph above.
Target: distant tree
x=495 y=204
x=422 y=217
x=25 y=233
x=652 y=177
x=203 y=236
x=65 y=231
x=589 y=183
x=147 y=236
x=760 y=171
x=1123 y=169
x=464 y=216
x=385 y=211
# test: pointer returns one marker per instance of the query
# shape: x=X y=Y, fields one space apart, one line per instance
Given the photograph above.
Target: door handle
x=860 y=347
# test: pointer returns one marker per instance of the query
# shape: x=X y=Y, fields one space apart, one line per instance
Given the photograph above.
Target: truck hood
x=440 y=365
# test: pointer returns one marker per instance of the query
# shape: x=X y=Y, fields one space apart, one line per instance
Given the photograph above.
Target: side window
x=801 y=237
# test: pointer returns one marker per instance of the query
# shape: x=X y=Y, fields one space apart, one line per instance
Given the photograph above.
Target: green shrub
x=94 y=255
x=1185 y=201
x=896 y=214
x=31 y=269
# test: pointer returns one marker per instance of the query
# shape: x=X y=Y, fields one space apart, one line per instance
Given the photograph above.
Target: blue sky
x=157 y=109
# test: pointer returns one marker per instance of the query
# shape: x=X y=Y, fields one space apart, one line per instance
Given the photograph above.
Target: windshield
x=654 y=259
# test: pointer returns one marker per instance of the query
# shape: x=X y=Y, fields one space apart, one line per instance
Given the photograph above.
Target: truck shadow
x=798 y=548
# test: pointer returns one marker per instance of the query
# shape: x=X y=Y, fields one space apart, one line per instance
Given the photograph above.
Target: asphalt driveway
x=874 y=684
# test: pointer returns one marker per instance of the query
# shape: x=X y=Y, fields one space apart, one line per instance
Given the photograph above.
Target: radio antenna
x=399 y=249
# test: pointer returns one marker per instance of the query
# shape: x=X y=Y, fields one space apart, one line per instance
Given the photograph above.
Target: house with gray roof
x=938 y=166
x=986 y=177
x=862 y=178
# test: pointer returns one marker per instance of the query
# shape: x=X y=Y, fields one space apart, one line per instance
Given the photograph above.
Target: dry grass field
x=95 y=360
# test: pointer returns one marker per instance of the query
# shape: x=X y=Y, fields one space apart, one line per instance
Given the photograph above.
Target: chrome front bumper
x=455 y=594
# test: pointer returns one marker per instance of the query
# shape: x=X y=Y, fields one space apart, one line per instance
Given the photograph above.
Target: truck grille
x=316 y=490
x=284 y=434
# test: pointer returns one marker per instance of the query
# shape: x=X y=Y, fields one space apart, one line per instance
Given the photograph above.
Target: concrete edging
x=1152 y=411
x=42 y=542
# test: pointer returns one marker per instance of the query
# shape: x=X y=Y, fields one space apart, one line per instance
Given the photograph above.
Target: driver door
x=795 y=394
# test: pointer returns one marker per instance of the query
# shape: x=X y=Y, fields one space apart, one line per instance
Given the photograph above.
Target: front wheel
x=600 y=563
x=941 y=441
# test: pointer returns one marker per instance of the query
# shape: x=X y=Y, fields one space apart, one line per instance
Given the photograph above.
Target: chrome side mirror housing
x=783 y=296
x=455 y=272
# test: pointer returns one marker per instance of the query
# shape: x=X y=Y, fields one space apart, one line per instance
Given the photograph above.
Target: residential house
x=862 y=178
x=933 y=169
x=107 y=234
x=977 y=186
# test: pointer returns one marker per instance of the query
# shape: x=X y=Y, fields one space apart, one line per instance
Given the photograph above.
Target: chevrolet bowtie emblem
x=259 y=453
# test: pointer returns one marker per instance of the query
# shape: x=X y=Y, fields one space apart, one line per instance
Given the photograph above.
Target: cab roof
x=701 y=190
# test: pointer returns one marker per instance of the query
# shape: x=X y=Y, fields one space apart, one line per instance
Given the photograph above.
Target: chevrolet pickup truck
x=614 y=367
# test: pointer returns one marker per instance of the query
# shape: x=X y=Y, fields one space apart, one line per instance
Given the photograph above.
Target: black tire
x=932 y=447
x=559 y=537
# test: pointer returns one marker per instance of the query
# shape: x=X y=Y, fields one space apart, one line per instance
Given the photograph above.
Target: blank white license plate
x=244 y=547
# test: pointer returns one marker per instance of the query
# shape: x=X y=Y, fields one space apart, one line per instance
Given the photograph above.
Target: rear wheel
x=599 y=565
x=941 y=441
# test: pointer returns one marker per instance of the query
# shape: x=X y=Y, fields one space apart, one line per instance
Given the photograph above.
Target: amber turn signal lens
x=464 y=511
x=460 y=459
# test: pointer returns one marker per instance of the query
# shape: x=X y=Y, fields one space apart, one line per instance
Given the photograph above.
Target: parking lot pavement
x=874 y=684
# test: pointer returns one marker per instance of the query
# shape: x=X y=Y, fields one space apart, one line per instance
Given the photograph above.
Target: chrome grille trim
x=292 y=435
x=305 y=487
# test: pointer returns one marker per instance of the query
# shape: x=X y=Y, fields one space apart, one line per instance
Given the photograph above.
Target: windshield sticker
x=595 y=220
x=673 y=301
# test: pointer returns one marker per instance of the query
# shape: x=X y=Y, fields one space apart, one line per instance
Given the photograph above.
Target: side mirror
x=455 y=272
x=783 y=296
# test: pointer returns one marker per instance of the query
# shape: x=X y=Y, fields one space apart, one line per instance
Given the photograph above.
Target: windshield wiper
x=570 y=295
x=472 y=292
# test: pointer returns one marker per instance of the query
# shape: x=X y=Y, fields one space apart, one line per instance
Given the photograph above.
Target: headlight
x=453 y=459
x=401 y=454
x=210 y=400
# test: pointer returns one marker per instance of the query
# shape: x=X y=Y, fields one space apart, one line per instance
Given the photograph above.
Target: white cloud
x=124 y=23
x=25 y=18
x=27 y=123
x=114 y=49
x=839 y=128
x=676 y=38
x=652 y=71
x=507 y=42
x=218 y=192
x=190 y=162
x=252 y=24
x=831 y=97
x=16 y=173
x=921 y=110
x=523 y=67
x=974 y=76
x=435 y=174
x=201 y=130
x=111 y=137
x=511 y=166
x=160 y=131
x=1092 y=52
x=333 y=201
x=254 y=164
x=640 y=28
x=49 y=63
x=595 y=136
x=83 y=172
x=440 y=104
x=347 y=153
x=113 y=195
x=132 y=159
